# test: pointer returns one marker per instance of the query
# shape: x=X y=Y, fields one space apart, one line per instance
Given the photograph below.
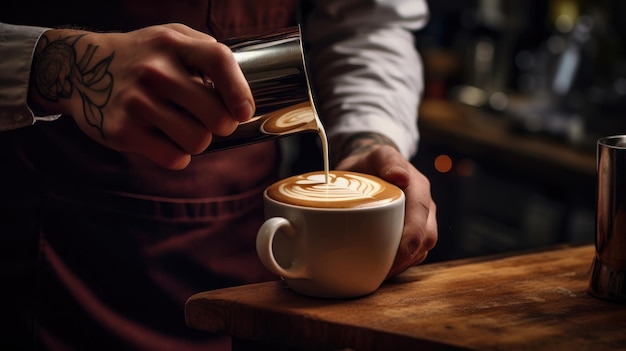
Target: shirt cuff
x=18 y=43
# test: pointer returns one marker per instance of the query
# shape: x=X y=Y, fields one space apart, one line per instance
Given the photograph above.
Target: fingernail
x=244 y=111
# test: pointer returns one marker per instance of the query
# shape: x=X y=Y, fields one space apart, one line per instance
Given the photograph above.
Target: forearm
x=349 y=144
x=367 y=73
x=69 y=69
x=34 y=82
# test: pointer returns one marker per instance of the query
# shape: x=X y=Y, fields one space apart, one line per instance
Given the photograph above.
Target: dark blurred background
x=517 y=93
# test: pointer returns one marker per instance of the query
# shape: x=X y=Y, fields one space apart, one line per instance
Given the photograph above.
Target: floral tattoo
x=59 y=71
x=360 y=143
x=363 y=142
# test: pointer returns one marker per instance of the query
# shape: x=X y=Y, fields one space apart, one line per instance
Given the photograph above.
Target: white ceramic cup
x=328 y=247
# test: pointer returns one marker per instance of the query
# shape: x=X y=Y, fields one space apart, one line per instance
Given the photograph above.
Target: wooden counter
x=533 y=301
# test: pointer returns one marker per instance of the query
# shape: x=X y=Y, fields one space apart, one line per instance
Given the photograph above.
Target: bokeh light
x=443 y=163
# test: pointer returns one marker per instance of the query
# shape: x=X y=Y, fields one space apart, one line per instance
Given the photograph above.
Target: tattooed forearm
x=60 y=70
x=363 y=142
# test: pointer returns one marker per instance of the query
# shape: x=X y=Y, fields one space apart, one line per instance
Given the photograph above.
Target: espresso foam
x=343 y=190
x=300 y=117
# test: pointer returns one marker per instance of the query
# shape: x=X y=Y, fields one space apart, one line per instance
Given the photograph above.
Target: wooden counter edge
x=239 y=311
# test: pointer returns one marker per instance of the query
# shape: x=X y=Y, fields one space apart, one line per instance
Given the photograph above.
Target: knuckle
x=165 y=34
x=201 y=144
x=221 y=50
x=228 y=128
x=136 y=103
x=119 y=135
x=222 y=55
x=175 y=162
x=153 y=71
x=222 y=124
x=430 y=241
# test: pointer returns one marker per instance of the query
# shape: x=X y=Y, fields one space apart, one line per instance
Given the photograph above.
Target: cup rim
x=617 y=141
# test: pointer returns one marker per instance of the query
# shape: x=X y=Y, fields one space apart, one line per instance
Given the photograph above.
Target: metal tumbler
x=275 y=68
x=608 y=280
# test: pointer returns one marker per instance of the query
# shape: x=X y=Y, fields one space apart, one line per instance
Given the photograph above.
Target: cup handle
x=264 y=240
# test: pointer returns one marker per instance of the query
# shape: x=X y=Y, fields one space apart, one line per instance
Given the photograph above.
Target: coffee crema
x=300 y=117
x=343 y=190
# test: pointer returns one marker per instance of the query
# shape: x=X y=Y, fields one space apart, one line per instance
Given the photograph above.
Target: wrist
x=359 y=143
x=70 y=74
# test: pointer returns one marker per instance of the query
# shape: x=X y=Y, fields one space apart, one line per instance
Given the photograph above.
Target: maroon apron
x=99 y=249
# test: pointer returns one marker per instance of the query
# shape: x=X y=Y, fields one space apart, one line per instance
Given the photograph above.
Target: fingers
x=174 y=123
x=154 y=145
x=419 y=234
x=189 y=95
x=218 y=64
x=161 y=151
x=171 y=97
x=420 y=225
x=390 y=165
x=218 y=106
x=401 y=264
x=159 y=105
x=190 y=32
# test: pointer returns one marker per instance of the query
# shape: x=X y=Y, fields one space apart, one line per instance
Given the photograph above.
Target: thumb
x=390 y=165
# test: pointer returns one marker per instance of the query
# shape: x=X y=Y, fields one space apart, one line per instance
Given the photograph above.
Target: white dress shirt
x=368 y=81
x=367 y=72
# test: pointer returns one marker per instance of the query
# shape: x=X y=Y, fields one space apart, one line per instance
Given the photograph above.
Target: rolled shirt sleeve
x=365 y=67
x=17 y=45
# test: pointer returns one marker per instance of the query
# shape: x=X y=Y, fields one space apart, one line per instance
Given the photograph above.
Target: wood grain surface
x=529 y=301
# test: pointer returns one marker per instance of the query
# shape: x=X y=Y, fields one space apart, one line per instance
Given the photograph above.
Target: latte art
x=290 y=120
x=343 y=190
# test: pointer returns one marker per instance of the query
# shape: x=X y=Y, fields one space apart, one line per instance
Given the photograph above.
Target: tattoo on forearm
x=363 y=142
x=59 y=71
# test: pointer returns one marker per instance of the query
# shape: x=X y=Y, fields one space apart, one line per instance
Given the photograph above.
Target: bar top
x=522 y=301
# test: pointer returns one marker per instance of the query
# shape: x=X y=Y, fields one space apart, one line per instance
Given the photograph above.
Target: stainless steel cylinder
x=608 y=279
x=274 y=66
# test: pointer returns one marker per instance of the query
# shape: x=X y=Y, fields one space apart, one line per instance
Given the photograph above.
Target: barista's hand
x=161 y=91
x=420 y=224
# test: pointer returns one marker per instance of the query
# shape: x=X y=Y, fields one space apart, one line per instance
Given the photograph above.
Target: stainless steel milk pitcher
x=608 y=276
x=275 y=69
